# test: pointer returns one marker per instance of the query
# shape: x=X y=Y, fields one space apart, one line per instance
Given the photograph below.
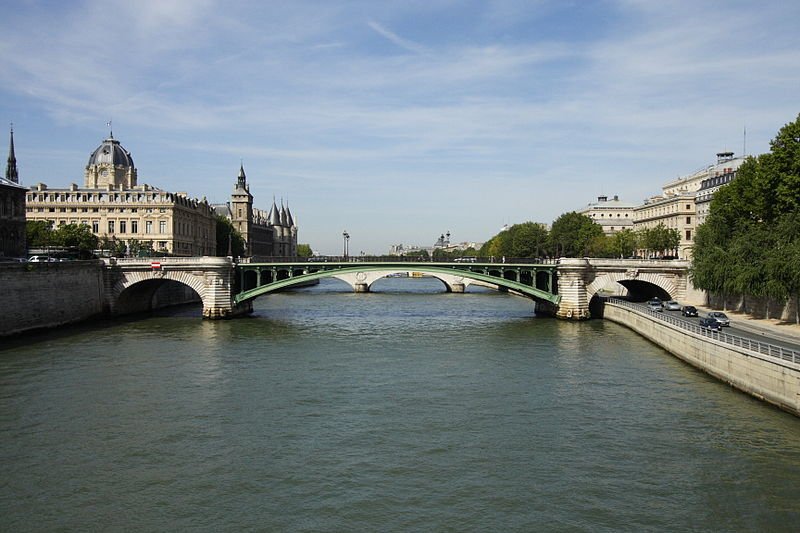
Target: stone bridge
x=566 y=288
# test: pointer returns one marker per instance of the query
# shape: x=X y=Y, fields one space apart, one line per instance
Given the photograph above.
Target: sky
x=398 y=121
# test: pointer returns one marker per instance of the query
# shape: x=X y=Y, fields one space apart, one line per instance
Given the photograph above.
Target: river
x=407 y=409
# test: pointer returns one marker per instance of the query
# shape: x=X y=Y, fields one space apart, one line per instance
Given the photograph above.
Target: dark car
x=710 y=324
x=689 y=310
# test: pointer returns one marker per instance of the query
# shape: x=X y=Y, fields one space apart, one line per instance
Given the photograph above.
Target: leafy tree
x=39 y=233
x=623 y=243
x=750 y=242
x=528 y=239
x=304 y=250
x=574 y=235
x=660 y=239
x=76 y=236
x=227 y=234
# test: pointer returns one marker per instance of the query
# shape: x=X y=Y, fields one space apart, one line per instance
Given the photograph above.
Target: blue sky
x=398 y=120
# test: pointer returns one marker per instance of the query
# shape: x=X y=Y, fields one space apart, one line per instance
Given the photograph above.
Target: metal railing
x=763 y=348
x=402 y=259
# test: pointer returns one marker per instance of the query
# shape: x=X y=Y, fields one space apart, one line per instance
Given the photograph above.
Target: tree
x=227 y=234
x=528 y=239
x=304 y=250
x=78 y=237
x=39 y=233
x=623 y=243
x=574 y=235
x=660 y=239
x=750 y=242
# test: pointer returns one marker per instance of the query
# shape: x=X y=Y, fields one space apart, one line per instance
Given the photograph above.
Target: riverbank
x=764 y=371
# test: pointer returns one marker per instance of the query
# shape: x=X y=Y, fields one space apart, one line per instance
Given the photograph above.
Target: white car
x=720 y=317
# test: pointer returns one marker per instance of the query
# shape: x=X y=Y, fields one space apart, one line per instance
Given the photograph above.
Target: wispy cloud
x=396 y=39
x=433 y=95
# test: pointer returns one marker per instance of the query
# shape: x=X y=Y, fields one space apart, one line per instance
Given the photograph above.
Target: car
x=672 y=305
x=42 y=259
x=655 y=305
x=720 y=317
x=689 y=310
x=709 y=323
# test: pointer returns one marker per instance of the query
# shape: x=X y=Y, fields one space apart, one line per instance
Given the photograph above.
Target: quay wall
x=45 y=295
x=766 y=377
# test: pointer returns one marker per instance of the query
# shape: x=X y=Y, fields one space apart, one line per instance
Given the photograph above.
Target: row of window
x=98 y=197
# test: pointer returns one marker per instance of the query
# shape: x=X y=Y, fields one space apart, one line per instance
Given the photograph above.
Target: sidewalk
x=776 y=329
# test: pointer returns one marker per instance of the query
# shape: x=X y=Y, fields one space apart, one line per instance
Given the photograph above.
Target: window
x=148 y=226
x=95 y=226
x=111 y=226
x=162 y=226
x=134 y=226
x=688 y=220
x=123 y=226
x=688 y=235
x=688 y=206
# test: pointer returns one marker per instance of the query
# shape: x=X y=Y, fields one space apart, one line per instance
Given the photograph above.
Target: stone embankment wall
x=45 y=295
x=765 y=377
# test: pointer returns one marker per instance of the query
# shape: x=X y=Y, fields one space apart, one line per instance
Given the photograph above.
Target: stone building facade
x=117 y=208
x=12 y=209
x=612 y=215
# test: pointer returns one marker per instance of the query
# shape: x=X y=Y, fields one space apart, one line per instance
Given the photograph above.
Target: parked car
x=672 y=305
x=709 y=324
x=42 y=259
x=689 y=310
x=655 y=305
x=720 y=317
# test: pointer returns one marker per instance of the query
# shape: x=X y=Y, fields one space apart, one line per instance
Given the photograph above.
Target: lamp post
x=346 y=237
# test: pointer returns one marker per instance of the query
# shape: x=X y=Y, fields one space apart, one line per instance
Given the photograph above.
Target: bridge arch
x=638 y=285
x=135 y=290
x=455 y=277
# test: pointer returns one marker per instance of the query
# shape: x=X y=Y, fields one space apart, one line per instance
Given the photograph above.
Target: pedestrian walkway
x=771 y=328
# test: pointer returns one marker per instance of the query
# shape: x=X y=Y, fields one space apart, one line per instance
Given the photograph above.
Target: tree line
x=750 y=243
x=575 y=235
x=78 y=241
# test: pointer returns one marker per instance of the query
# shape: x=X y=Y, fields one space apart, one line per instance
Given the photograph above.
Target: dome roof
x=111 y=152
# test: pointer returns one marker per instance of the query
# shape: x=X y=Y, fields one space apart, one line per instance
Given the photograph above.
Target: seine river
x=407 y=409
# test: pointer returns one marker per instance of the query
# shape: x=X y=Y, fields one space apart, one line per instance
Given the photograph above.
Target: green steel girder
x=477 y=271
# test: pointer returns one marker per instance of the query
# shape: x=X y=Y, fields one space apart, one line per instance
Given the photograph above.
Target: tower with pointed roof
x=11 y=167
x=12 y=209
x=270 y=233
x=242 y=209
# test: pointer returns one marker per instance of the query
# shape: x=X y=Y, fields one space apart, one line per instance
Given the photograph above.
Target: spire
x=11 y=167
x=284 y=220
x=242 y=181
x=274 y=215
x=289 y=218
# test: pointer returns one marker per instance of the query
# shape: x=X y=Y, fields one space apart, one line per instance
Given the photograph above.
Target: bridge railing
x=400 y=259
x=770 y=350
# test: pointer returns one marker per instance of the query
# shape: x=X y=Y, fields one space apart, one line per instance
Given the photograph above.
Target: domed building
x=137 y=218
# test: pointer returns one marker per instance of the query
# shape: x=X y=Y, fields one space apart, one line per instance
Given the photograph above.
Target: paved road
x=747 y=328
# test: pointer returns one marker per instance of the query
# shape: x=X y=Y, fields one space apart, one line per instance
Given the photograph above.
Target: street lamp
x=346 y=237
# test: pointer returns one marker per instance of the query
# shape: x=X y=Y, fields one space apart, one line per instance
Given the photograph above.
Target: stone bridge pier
x=581 y=279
